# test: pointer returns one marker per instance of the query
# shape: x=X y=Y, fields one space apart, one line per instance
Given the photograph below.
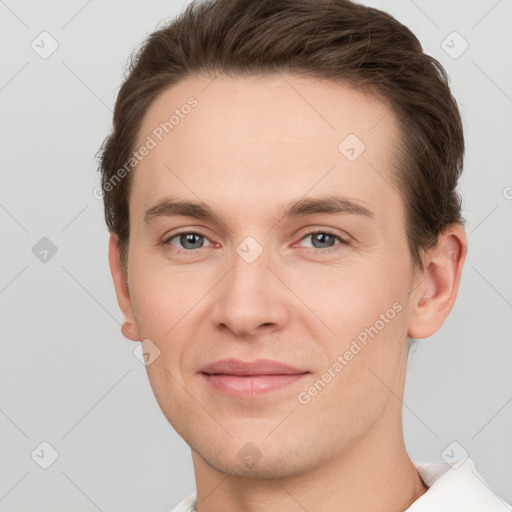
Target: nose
x=251 y=298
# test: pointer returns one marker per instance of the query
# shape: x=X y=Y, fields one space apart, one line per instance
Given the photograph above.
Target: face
x=323 y=287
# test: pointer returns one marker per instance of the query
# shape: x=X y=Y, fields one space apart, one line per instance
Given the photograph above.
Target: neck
x=374 y=474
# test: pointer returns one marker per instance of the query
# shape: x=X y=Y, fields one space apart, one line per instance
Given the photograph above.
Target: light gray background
x=68 y=376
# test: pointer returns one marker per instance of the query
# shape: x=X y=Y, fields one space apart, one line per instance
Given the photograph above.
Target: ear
x=435 y=289
x=129 y=327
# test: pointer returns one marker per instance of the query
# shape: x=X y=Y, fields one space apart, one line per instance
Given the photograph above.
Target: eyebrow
x=330 y=204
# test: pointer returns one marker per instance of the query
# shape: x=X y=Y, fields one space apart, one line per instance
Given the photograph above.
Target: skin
x=251 y=146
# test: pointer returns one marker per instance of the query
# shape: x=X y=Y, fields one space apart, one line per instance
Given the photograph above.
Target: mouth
x=238 y=367
x=249 y=380
x=250 y=386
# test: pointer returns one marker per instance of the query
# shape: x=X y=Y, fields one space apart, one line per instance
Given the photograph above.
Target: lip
x=234 y=366
x=250 y=380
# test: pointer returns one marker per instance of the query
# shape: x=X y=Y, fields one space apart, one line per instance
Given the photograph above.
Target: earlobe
x=129 y=327
x=130 y=331
x=435 y=291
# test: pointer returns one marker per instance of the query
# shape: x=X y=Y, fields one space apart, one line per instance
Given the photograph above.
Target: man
x=280 y=187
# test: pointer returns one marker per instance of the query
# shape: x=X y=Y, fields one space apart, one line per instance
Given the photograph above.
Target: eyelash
x=334 y=248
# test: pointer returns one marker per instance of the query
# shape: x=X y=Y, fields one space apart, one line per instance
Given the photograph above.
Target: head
x=258 y=110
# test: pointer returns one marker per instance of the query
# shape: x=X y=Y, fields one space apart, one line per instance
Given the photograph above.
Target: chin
x=263 y=460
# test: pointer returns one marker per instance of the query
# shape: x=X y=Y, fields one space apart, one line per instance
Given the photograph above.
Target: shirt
x=457 y=487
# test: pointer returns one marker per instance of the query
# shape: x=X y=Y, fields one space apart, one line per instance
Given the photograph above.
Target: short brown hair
x=337 y=40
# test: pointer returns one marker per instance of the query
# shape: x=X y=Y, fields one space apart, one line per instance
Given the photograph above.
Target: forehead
x=266 y=138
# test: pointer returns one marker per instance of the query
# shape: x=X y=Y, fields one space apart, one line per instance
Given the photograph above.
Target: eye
x=324 y=240
x=189 y=240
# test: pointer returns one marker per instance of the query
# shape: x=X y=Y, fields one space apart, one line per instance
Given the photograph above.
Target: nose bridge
x=249 y=295
x=250 y=265
x=249 y=279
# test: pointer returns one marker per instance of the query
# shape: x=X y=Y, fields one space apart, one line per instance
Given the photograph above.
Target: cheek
x=164 y=299
x=350 y=296
x=365 y=306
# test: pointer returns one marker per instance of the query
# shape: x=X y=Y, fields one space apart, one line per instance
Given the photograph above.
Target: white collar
x=456 y=487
